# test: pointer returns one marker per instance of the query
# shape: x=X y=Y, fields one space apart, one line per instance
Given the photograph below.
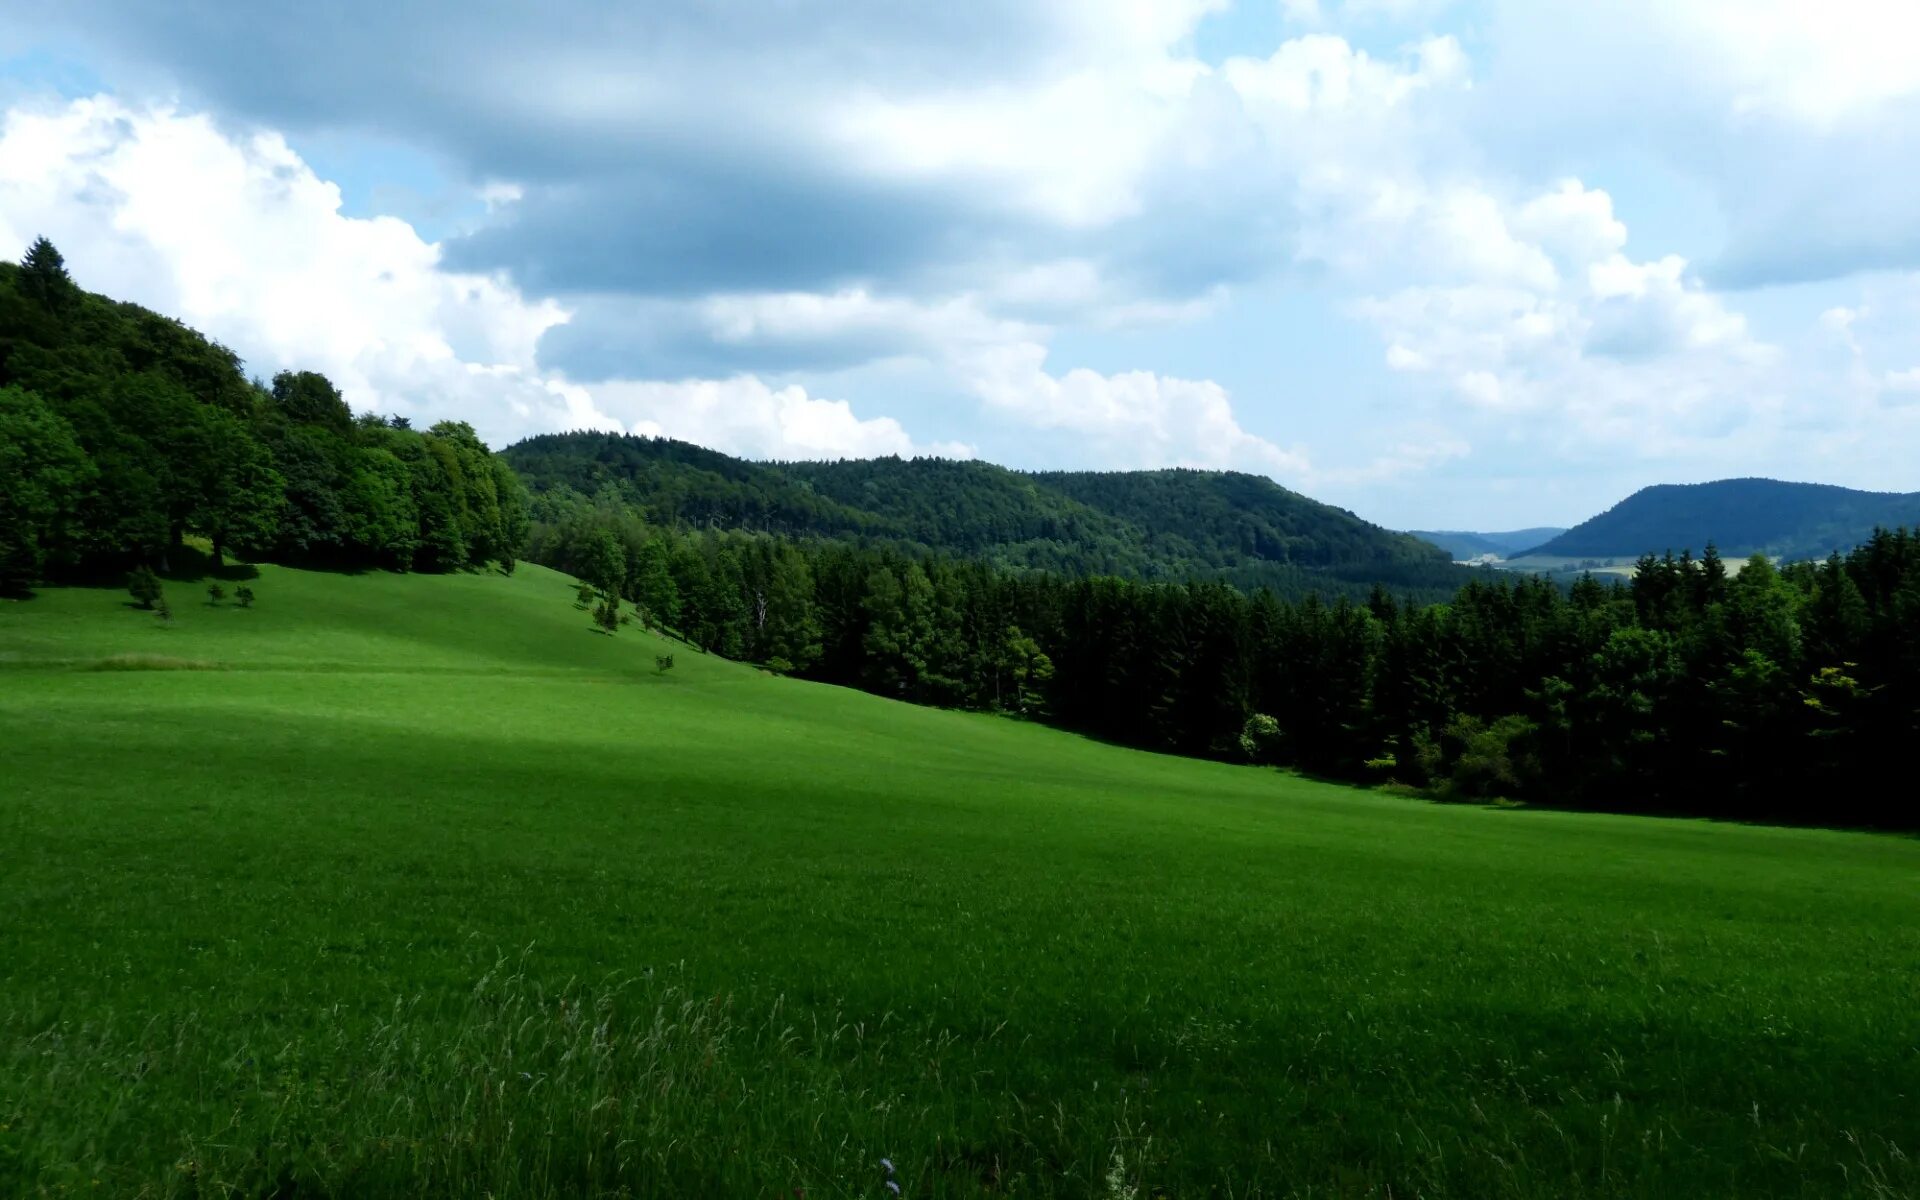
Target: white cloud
x=1132 y=418
x=238 y=237
x=1818 y=63
x=743 y=415
x=1554 y=323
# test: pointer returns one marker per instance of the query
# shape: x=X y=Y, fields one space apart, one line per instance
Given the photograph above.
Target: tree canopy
x=122 y=432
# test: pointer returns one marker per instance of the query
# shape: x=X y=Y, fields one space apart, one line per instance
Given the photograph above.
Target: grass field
x=417 y=886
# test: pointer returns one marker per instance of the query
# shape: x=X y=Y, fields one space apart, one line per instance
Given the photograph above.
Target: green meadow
x=409 y=886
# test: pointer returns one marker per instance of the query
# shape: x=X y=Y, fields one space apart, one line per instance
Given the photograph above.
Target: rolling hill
x=1463 y=545
x=1740 y=516
x=1171 y=524
x=406 y=885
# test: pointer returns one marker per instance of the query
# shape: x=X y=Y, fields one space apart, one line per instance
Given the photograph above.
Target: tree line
x=123 y=432
x=1757 y=693
x=1154 y=525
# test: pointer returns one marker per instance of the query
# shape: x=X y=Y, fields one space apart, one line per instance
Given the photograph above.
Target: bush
x=215 y=593
x=1260 y=739
x=1494 y=761
x=663 y=663
x=607 y=614
x=144 y=586
x=244 y=595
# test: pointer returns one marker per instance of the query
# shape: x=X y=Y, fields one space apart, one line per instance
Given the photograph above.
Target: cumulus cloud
x=1798 y=120
x=238 y=237
x=694 y=213
x=1134 y=418
x=1635 y=355
x=746 y=416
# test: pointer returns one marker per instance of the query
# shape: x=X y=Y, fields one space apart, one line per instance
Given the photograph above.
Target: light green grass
x=434 y=891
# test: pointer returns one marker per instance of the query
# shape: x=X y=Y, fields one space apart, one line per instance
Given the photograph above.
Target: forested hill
x=1741 y=516
x=1172 y=524
x=123 y=432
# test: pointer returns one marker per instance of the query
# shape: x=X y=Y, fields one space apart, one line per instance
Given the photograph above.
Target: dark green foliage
x=122 y=432
x=43 y=474
x=1150 y=525
x=663 y=663
x=606 y=614
x=1747 y=516
x=309 y=398
x=215 y=593
x=43 y=276
x=1695 y=689
x=243 y=595
x=144 y=586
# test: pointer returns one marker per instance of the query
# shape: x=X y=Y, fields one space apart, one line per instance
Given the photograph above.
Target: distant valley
x=1465 y=546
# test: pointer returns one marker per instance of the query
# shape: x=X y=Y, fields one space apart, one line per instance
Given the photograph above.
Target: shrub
x=1260 y=739
x=607 y=614
x=144 y=586
x=215 y=593
x=244 y=595
x=1494 y=761
x=663 y=663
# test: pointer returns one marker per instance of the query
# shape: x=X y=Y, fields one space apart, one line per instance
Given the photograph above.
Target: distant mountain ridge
x=1168 y=524
x=1463 y=544
x=1740 y=516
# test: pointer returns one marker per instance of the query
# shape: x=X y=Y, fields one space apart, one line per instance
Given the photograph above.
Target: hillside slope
x=1741 y=516
x=421 y=887
x=1173 y=524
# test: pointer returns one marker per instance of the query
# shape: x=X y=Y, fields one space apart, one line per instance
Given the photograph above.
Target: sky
x=1468 y=265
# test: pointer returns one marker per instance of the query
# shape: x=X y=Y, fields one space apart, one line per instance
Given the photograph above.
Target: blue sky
x=1450 y=265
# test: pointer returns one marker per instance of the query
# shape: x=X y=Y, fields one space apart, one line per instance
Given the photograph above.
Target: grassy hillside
x=420 y=887
x=1175 y=524
x=1741 y=516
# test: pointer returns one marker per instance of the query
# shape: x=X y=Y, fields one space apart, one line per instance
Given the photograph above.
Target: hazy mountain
x=1463 y=545
x=1740 y=516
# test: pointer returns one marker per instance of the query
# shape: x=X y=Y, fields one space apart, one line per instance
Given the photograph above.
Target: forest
x=1747 y=516
x=122 y=432
x=1765 y=692
x=1762 y=693
x=1169 y=525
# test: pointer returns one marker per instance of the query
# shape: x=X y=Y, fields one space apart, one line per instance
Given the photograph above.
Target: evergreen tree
x=44 y=278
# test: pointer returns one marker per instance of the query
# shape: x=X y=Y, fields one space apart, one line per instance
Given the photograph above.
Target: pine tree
x=43 y=275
